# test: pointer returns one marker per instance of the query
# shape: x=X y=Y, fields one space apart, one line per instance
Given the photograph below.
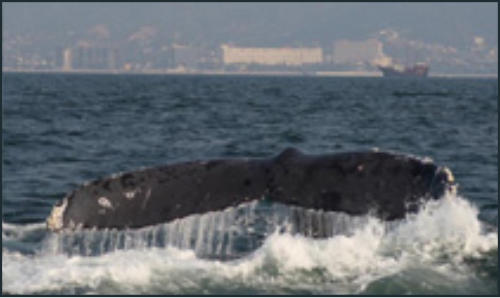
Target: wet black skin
x=388 y=185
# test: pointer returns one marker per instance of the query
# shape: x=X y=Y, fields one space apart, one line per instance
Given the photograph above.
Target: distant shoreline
x=241 y=73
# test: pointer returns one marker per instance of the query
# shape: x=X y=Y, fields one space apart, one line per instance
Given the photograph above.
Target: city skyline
x=133 y=36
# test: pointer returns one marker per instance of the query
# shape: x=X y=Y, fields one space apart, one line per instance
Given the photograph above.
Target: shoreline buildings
x=286 y=56
x=155 y=55
x=158 y=55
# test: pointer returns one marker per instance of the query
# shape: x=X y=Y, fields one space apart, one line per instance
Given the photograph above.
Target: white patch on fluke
x=130 y=194
x=452 y=189
x=104 y=202
x=116 y=175
x=55 y=219
x=449 y=174
x=427 y=159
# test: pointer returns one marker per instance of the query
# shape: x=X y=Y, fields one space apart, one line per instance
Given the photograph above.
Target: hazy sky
x=453 y=24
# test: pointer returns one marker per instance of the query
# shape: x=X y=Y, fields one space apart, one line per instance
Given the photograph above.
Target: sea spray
x=438 y=241
x=231 y=233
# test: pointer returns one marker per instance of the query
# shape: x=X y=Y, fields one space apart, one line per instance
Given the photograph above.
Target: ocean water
x=62 y=130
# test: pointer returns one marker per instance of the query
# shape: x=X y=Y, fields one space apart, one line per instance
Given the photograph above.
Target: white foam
x=439 y=238
x=448 y=226
x=16 y=231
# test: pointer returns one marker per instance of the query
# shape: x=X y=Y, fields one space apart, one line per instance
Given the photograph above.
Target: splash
x=227 y=234
x=256 y=249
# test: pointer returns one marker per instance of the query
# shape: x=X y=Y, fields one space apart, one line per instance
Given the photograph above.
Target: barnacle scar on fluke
x=388 y=185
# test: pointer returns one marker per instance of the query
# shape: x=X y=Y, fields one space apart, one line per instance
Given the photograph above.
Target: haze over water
x=454 y=38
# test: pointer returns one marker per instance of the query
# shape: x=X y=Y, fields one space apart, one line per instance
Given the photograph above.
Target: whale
x=383 y=184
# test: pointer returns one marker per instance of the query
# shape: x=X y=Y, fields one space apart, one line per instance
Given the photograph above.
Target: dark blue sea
x=62 y=130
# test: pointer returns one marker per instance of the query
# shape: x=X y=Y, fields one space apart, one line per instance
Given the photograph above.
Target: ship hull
x=415 y=72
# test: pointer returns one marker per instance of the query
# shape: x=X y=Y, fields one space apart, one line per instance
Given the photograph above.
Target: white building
x=271 y=56
x=67 y=65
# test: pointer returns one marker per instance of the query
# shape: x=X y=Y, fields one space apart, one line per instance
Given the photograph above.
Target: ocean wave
x=438 y=244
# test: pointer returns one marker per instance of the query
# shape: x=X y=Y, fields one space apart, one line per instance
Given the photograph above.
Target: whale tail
x=356 y=183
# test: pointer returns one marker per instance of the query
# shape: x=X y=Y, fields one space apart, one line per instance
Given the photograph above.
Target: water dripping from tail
x=228 y=234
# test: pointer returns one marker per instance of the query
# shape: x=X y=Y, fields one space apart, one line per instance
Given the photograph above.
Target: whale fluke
x=387 y=185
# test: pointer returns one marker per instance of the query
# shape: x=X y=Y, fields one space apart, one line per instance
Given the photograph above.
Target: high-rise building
x=94 y=57
x=67 y=63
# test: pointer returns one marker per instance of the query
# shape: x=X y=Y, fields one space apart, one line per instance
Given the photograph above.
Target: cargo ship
x=419 y=70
